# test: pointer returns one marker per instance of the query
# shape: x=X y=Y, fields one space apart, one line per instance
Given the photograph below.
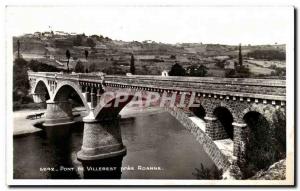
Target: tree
x=93 y=67
x=20 y=80
x=173 y=56
x=229 y=73
x=86 y=53
x=240 y=55
x=68 y=55
x=177 y=70
x=78 y=40
x=18 y=44
x=79 y=68
x=132 y=67
x=90 y=42
x=95 y=37
x=199 y=71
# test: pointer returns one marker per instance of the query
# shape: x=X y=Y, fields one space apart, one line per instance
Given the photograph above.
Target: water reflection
x=158 y=147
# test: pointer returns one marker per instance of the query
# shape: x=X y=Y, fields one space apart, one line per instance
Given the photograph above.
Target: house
x=28 y=35
x=164 y=73
x=229 y=64
x=61 y=33
x=100 y=46
x=37 y=34
x=47 y=34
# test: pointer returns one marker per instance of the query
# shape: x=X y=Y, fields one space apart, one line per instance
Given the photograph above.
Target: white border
x=290 y=137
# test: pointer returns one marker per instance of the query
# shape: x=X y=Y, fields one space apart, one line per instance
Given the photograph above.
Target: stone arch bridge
x=231 y=98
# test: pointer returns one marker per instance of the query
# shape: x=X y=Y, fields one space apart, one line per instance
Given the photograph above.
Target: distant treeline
x=37 y=66
x=267 y=54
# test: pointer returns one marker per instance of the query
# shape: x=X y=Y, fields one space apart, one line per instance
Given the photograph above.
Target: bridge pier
x=93 y=99
x=58 y=113
x=239 y=138
x=99 y=93
x=86 y=94
x=39 y=97
x=102 y=147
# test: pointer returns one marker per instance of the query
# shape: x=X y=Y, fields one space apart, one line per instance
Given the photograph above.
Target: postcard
x=150 y=95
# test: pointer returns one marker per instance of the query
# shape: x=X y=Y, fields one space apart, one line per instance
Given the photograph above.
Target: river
x=156 y=140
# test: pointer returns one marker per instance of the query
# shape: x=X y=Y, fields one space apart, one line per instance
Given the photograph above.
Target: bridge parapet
x=228 y=88
x=256 y=90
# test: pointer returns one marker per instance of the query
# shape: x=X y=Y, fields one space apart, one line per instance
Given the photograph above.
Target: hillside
x=150 y=57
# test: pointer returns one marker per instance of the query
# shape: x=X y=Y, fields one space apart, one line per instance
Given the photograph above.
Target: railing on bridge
x=240 y=87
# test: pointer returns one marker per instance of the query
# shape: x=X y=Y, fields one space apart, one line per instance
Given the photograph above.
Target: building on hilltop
x=165 y=73
x=62 y=33
x=230 y=64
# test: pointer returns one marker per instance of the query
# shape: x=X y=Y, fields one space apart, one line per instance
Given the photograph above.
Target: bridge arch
x=40 y=90
x=198 y=111
x=41 y=86
x=210 y=106
x=265 y=110
x=64 y=89
x=225 y=120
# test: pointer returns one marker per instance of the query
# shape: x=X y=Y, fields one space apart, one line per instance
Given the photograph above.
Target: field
x=150 y=58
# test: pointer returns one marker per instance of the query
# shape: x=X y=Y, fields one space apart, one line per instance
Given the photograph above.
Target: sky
x=217 y=25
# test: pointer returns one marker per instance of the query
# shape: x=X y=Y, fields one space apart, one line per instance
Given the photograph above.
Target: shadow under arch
x=41 y=87
x=198 y=111
x=66 y=90
x=225 y=117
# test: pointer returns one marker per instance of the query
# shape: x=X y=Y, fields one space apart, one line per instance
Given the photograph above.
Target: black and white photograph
x=150 y=95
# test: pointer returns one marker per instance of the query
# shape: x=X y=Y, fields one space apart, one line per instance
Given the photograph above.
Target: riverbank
x=22 y=126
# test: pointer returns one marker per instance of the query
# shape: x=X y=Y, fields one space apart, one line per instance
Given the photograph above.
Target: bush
x=90 y=42
x=230 y=73
x=77 y=41
x=177 y=70
x=193 y=70
x=238 y=72
x=220 y=64
x=93 y=67
x=173 y=57
x=79 y=68
x=242 y=72
x=208 y=174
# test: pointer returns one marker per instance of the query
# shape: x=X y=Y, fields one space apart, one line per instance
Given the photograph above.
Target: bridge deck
x=266 y=89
